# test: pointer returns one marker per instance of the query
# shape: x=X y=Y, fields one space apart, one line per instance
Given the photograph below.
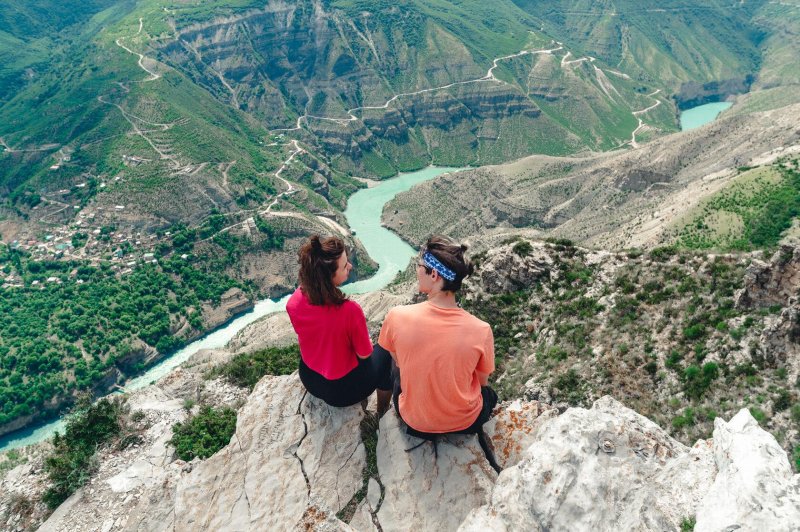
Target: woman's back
x=330 y=336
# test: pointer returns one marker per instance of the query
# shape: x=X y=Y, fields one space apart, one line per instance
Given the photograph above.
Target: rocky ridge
x=295 y=462
x=598 y=200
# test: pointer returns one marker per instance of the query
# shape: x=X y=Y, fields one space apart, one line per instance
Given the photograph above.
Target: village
x=84 y=240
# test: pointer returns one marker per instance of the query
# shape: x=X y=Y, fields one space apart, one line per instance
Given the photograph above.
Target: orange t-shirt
x=439 y=352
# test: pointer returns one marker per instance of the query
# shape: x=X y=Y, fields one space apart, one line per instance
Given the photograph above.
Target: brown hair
x=318 y=259
x=451 y=255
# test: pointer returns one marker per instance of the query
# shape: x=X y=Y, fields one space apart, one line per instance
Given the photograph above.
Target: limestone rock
x=773 y=282
x=780 y=339
x=115 y=489
x=423 y=492
x=605 y=468
x=293 y=459
x=232 y=303
x=754 y=488
x=512 y=429
x=273 y=330
x=507 y=271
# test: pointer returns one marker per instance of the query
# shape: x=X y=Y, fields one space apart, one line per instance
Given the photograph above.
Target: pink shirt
x=330 y=336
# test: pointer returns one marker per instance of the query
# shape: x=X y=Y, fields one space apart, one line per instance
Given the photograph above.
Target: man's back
x=440 y=352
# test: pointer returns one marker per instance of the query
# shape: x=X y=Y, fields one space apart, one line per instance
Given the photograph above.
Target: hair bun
x=464 y=248
x=316 y=244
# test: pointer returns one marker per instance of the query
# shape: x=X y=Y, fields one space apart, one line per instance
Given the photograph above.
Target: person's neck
x=443 y=299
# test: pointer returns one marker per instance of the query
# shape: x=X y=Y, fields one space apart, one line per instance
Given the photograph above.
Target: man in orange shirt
x=443 y=353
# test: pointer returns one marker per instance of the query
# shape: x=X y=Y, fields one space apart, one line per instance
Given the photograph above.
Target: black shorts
x=488 y=395
x=371 y=373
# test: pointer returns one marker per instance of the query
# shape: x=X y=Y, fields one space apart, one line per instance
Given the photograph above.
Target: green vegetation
x=10 y=460
x=569 y=387
x=671 y=51
x=751 y=213
x=71 y=462
x=523 y=248
x=246 y=369
x=698 y=380
x=58 y=338
x=203 y=434
x=688 y=524
x=661 y=334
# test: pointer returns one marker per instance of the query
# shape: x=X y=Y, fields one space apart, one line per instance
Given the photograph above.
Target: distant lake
x=702 y=115
x=363 y=214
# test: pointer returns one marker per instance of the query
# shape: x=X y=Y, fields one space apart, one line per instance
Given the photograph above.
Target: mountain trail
x=351 y=112
x=636 y=114
x=290 y=189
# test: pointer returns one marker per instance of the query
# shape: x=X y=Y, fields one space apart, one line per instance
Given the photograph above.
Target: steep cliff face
x=296 y=463
x=393 y=89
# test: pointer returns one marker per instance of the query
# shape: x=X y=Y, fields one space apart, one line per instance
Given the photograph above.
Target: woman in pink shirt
x=337 y=362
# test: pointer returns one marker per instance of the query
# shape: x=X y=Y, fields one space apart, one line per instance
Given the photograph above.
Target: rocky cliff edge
x=296 y=463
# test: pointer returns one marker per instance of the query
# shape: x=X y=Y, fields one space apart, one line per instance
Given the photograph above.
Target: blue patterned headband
x=433 y=263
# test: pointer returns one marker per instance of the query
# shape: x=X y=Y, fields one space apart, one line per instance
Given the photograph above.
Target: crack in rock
x=299 y=443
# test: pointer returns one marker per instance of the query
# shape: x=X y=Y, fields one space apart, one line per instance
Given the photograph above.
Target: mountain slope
x=613 y=200
x=670 y=42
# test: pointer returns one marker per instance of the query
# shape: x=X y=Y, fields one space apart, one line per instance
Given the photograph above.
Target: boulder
x=754 y=488
x=427 y=492
x=512 y=429
x=771 y=283
x=292 y=460
x=508 y=271
x=780 y=339
x=605 y=468
x=295 y=462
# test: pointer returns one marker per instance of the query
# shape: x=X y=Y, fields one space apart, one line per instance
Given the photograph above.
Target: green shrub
x=246 y=369
x=758 y=415
x=673 y=361
x=688 y=524
x=697 y=380
x=796 y=458
x=686 y=419
x=693 y=332
x=71 y=463
x=570 y=387
x=204 y=434
x=562 y=242
x=663 y=253
x=782 y=401
x=523 y=248
x=796 y=413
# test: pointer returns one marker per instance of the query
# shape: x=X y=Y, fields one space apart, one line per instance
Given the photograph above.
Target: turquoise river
x=702 y=115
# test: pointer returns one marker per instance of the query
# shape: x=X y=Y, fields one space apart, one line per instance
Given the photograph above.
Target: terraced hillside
x=681 y=44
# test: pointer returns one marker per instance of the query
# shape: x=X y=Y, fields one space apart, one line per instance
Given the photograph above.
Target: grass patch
x=751 y=213
x=204 y=434
x=246 y=369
